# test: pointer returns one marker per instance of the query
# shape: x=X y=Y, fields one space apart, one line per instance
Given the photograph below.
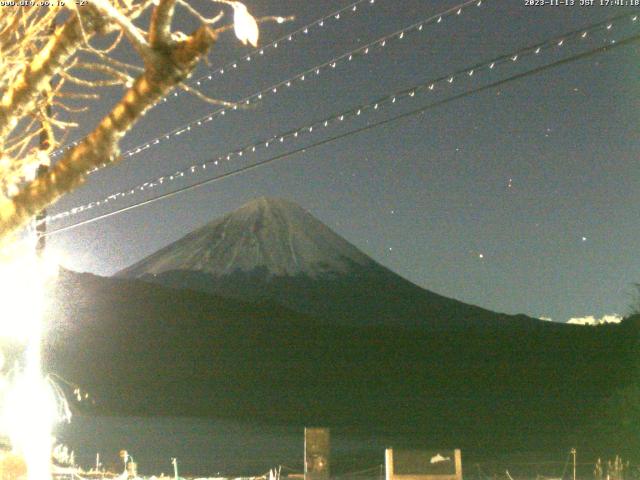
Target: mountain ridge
x=273 y=249
x=270 y=233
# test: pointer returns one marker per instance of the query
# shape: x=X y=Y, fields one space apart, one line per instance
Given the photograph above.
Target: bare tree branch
x=132 y=32
x=203 y=97
x=160 y=30
x=101 y=146
x=35 y=76
x=39 y=69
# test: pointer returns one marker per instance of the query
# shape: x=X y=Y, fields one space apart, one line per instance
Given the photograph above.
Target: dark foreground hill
x=499 y=385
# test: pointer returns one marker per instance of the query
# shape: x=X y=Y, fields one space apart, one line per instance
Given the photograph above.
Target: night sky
x=522 y=198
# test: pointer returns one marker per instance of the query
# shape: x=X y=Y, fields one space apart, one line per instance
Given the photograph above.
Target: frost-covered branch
x=34 y=66
x=127 y=27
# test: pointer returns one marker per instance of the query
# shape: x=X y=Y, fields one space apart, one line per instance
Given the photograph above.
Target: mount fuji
x=273 y=250
x=267 y=234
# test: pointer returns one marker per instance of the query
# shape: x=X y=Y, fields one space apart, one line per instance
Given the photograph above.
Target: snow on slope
x=269 y=234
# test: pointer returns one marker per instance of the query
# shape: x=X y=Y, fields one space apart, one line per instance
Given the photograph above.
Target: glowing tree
x=50 y=64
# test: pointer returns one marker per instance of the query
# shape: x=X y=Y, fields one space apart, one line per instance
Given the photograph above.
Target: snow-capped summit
x=271 y=235
x=275 y=251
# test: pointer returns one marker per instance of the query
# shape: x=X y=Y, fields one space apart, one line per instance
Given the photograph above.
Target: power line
x=319 y=23
x=355 y=112
x=535 y=71
x=258 y=52
x=446 y=80
x=283 y=85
